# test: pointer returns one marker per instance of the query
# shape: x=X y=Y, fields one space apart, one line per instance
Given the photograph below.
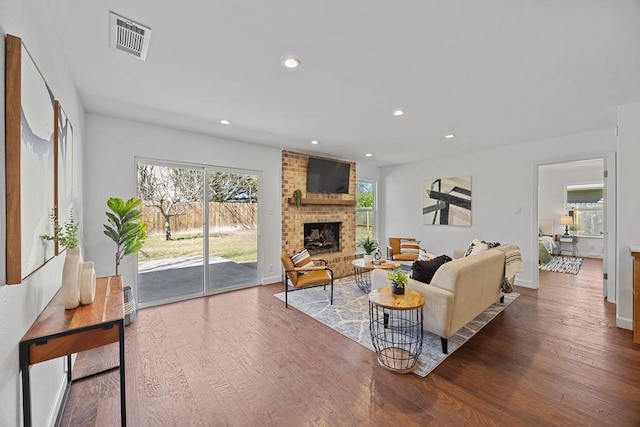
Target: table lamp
x=566 y=220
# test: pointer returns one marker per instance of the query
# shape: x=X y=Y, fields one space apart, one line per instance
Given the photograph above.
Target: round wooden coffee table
x=362 y=271
x=395 y=322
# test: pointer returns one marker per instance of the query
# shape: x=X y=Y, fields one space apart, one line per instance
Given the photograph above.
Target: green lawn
x=239 y=246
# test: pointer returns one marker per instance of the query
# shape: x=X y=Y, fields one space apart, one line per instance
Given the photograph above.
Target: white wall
x=628 y=206
x=21 y=304
x=110 y=171
x=502 y=184
x=552 y=183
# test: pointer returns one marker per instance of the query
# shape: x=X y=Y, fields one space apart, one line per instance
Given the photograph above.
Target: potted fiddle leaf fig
x=125 y=227
x=128 y=232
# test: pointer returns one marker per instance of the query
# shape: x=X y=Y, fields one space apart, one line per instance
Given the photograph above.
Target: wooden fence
x=221 y=215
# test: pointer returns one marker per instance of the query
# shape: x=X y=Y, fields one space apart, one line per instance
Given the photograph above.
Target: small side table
x=362 y=271
x=569 y=239
x=395 y=322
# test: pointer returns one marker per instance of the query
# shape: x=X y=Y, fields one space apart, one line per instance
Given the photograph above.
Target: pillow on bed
x=543 y=254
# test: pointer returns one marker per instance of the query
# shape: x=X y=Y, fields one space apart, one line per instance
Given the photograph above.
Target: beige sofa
x=459 y=291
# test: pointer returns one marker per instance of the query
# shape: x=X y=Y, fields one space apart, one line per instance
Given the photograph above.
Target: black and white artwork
x=29 y=163
x=36 y=166
x=64 y=165
x=447 y=201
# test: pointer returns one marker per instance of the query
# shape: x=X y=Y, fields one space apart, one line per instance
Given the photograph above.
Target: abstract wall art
x=447 y=201
x=29 y=151
x=63 y=166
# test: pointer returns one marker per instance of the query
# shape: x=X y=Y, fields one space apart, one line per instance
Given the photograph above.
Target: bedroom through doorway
x=573 y=231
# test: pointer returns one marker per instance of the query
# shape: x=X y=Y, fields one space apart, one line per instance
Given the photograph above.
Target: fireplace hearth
x=322 y=237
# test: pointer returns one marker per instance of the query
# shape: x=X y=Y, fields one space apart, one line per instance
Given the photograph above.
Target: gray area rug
x=562 y=264
x=349 y=315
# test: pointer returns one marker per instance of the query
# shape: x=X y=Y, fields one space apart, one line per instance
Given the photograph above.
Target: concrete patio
x=183 y=277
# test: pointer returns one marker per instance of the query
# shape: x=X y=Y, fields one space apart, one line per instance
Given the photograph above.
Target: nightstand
x=564 y=240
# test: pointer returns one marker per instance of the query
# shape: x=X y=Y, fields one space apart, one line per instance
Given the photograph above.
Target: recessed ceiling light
x=368 y=155
x=315 y=142
x=449 y=136
x=225 y=122
x=291 y=62
x=398 y=113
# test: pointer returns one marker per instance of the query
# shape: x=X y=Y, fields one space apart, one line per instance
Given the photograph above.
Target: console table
x=58 y=332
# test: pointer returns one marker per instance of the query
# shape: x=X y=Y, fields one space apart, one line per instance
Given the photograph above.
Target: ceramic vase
x=71 y=278
x=396 y=290
x=368 y=259
x=87 y=283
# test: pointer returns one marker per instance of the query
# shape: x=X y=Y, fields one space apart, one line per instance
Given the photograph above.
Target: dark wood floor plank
x=554 y=357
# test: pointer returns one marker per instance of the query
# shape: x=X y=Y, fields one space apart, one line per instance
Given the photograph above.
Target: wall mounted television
x=328 y=176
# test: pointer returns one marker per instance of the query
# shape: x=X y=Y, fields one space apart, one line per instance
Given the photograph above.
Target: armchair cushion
x=302 y=259
x=411 y=247
x=394 y=252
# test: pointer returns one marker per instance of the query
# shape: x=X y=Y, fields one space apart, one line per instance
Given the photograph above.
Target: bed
x=547 y=245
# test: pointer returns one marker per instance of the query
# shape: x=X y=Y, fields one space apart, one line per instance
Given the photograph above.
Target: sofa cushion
x=423 y=271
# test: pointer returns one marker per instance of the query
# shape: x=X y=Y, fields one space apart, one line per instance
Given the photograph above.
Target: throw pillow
x=476 y=247
x=425 y=256
x=410 y=247
x=491 y=245
x=423 y=271
x=302 y=259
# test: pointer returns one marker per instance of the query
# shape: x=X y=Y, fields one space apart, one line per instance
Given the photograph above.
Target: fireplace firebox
x=322 y=237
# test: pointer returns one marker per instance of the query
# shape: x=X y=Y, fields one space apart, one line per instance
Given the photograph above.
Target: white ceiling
x=491 y=72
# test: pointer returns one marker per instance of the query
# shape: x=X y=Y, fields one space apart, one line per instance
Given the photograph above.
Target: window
x=365 y=216
x=586 y=201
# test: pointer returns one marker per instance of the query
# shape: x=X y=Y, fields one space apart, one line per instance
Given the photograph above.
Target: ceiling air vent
x=129 y=36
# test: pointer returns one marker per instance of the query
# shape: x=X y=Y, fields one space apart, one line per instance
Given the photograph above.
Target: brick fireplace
x=322 y=237
x=317 y=208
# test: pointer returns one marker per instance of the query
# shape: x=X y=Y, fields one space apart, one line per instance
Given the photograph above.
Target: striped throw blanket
x=512 y=264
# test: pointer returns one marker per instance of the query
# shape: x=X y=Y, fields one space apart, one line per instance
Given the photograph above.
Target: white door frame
x=609 y=259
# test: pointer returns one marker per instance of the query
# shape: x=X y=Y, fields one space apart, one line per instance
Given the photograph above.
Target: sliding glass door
x=233 y=229
x=180 y=263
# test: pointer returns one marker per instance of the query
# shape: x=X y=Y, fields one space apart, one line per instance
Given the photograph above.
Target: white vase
x=368 y=259
x=71 y=277
x=87 y=283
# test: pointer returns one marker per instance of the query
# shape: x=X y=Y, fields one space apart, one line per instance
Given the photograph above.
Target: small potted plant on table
x=398 y=281
x=369 y=246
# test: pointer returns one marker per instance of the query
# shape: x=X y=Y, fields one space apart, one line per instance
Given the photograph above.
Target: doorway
x=562 y=186
x=181 y=205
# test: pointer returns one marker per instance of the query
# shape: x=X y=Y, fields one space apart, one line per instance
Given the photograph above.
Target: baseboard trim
x=270 y=280
x=525 y=284
x=624 y=323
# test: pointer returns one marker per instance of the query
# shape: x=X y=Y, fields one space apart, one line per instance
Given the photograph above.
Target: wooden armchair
x=305 y=276
x=402 y=249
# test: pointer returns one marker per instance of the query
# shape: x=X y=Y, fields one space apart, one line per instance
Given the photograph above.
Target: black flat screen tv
x=327 y=176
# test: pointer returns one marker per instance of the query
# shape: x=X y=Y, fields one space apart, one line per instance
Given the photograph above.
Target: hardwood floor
x=554 y=357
